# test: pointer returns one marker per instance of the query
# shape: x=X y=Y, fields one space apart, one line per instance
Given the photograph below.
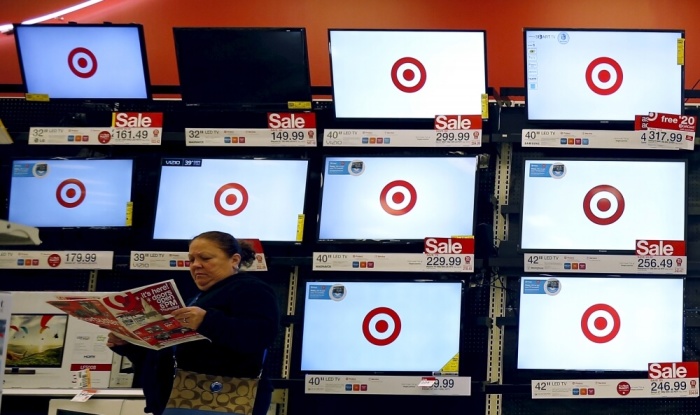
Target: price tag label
x=56 y=259
x=178 y=261
x=458 y=129
x=250 y=137
x=578 y=139
x=671 y=130
x=388 y=385
x=619 y=264
x=614 y=388
x=402 y=138
x=657 y=256
x=392 y=262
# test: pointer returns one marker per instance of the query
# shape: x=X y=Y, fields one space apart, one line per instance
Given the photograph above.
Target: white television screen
x=251 y=199
x=601 y=205
x=407 y=74
x=602 y=75
x=83 y=61
x=397 y=198
x=381 y=326
x=602 y=323
x=70 y=193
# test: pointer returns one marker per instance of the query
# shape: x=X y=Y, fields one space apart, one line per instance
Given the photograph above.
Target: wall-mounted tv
x=599 y=323
x=407 y=74
x=36 y=341
x=70 y=192
x=259 y=68
x=250 y=198
x=84 y=61
x=602 y=75
x=588 y=205
x=381 y=327
x=397 y=198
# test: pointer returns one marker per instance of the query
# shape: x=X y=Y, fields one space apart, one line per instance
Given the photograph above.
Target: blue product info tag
x=555 y=170
x=534 y=287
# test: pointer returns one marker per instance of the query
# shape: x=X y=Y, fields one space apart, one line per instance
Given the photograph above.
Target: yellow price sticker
x=300 y=227
x=485 y=106
x=37 y=97
x=129 y=212
x=680 y=53
x=452 y=366
x=299 y=105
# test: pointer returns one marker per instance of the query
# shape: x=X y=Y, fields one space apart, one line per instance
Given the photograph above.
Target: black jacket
x=242 y=321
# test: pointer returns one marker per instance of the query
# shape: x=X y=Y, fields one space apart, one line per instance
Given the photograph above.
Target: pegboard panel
x=44 y=280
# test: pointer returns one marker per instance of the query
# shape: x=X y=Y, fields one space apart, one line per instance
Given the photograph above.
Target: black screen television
x=595 y=205
x=71 y=193
x=599 y=323
x=84 y=61
x=370 y=327
x=257 y=68
x=407 y=74
x=250 y=198
x=400 y=199
x=594 y=76
x=35 y=341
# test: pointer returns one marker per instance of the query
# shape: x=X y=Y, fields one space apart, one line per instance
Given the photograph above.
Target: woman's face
x=210 y=264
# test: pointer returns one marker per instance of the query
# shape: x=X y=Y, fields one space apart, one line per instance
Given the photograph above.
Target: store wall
x=502 y=19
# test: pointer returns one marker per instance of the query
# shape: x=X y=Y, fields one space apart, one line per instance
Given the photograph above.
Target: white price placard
x=581 y=139
x=178 y=261
x=56 y=259
x=392 y=262
x=671 y=130
x=401 y=138
x=388 y=385
x=614 y=388
x=128 y=128
x=618 y=264
x=250 y=137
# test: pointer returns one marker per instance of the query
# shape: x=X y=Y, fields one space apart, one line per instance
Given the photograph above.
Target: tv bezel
x=302 y=306
x=266 y=243
x=144 y=59
x=391 y=241
x=59 y=159
x=585 y=123
x=233 y=103
x=592 y=159
x=408 y=121
x=534 y=373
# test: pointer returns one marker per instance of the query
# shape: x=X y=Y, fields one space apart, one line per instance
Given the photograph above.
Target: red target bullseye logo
x=600 y=323
x=70 y=193
x=604 y=76
x=408 y=74
x=82 y=62
x=603 y=205
x=398 y=197
x=381 y=326
x=231 y=199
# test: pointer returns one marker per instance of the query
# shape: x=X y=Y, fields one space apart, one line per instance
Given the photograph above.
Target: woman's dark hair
x=230 y=245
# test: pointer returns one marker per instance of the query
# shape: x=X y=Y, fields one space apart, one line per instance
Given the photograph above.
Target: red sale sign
x=291 y=120
x=458 y=122
x=448 y=246
x=660 y=248
x=673 y=370
x=684 y=123
x=137 y=119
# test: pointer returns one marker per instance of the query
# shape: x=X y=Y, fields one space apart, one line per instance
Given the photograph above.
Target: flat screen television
x=588 y=205
x=407 y=74
x=259 y=68
x=84 y=61
x=601 y=75
x=381 y=327
x=36 y=341
x=599 y=323
x=249 y=198
x=397 y=198
x=70 y=192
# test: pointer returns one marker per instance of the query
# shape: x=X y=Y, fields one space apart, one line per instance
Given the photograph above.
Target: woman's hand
x=114 y=340
x=190 y=317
